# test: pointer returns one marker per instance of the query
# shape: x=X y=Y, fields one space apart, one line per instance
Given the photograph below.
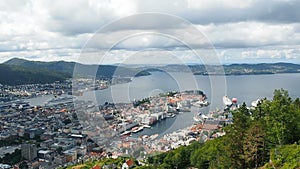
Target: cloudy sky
x=240 y=31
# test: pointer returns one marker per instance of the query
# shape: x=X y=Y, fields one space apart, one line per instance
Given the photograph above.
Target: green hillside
x=17 y=75
x=101 y=71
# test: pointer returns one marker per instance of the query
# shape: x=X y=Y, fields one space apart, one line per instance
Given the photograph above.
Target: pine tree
x=254 y=146
x=236 y=134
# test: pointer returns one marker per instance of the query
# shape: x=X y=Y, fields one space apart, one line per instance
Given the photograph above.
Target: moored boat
x=227 y=101
x=255 y=103
x=126 y=133
x=138 y=129
x=147 y=126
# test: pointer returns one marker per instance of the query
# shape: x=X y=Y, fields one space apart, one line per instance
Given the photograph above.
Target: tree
x=23 y=165
x=281 y=119
x=211 y=155
x=254 y=146
x=284 y=157
x=59 y=150
x=235 y=136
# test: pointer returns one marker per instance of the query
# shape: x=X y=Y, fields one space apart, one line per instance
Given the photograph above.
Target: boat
x=126 y=133
x=138 y=129
x=145 y=137
x=134 y=129
x=227 y=101
x=255 y=103
x=147 y=126
x=204 y=116
x=153 y=137
x=60 y=100
x=201 y=103
x=197 y=119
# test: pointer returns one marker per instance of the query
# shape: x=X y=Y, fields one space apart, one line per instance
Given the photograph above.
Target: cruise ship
x=60 y=100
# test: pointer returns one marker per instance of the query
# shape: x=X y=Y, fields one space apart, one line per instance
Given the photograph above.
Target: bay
x=246 y=88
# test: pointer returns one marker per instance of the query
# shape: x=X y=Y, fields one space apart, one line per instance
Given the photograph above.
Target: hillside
x=262 y=68
x=249 y=69
x=21 y=71
x=50 y=66
x=233 y=69
x=102 y=71
x=17 y=75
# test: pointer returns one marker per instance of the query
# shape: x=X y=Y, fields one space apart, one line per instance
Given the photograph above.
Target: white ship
x=201 y=103
x=138 y=129
x=255 y=103
x=197 y=119
x=146 y=126
x=60 y=100
x=227 y=101
x=126 y=133
x=200 y=117
x=153 y=137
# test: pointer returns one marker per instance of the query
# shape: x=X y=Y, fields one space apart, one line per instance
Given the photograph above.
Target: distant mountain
x=50 y=66
x=20 y=71
x=261 y=68
x=66 y=70
x=16 y=75
x=233 y=69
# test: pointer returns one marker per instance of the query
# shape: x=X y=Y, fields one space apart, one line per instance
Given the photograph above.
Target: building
x=44 y=154
x=70 y=155
x=128 y=164
x=96 y=167
x=29 y=151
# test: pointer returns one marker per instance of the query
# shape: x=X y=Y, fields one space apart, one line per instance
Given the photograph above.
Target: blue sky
x=241 y=31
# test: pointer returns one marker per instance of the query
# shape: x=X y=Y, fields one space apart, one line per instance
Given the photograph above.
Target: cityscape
x=186 y=84
x=51 y=134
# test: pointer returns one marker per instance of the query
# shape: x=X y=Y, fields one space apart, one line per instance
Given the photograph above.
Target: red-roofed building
x=128 y=164
x=96 y=167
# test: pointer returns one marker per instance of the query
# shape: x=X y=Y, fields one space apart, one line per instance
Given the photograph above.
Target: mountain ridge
x=31 y=71
x=59 y=70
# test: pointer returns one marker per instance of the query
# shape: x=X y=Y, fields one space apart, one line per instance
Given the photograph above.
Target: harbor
x=150 y=123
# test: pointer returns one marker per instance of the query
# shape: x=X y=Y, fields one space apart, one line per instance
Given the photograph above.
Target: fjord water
x=246 y=88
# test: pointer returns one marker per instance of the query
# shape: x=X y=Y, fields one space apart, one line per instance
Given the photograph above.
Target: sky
x=145 y=31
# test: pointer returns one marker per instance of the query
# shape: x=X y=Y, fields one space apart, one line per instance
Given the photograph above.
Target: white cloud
x=251 y=34
x=242 y=29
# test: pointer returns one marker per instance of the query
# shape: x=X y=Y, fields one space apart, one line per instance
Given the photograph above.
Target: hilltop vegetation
x=20 y=71
x=16 y=75
x=100 y=71
x=62 y=66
